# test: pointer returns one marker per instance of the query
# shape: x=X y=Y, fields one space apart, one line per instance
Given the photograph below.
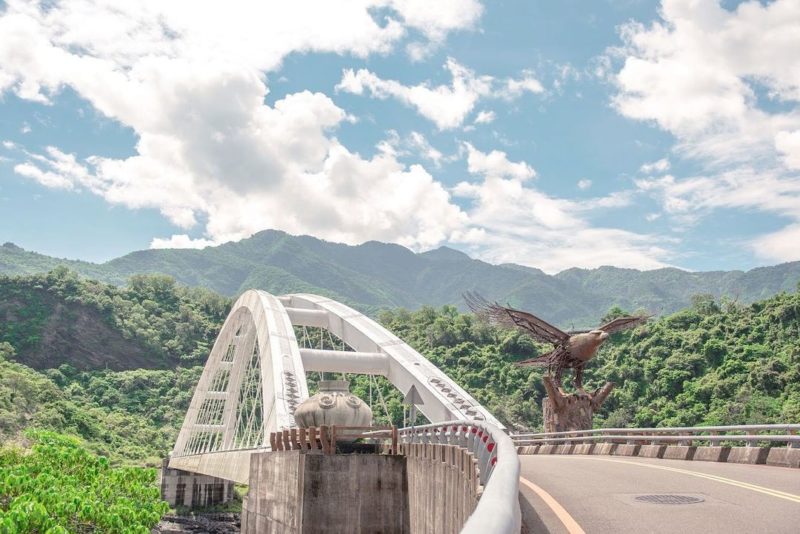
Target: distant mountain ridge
x=377 y=275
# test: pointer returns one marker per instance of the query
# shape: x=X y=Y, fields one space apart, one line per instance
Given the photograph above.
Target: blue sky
x=550 y=134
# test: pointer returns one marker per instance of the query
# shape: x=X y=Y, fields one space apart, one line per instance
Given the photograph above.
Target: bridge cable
x=383 y=401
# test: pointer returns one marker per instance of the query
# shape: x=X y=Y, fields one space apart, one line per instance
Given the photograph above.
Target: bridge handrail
x=791 y=440
x=694 y=430
x=498 y=508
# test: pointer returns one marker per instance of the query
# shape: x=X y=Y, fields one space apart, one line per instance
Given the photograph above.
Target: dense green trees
x=130 y=416
x=715 y=363
x=58 y=487
x=171 y=324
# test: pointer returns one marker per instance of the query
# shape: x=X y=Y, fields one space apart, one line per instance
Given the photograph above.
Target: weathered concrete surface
x=748 y=455
x=181 y=488
x=604 y=448
x=599 y=493
x=784 y=457
x=442 y=489
x=679 y=452
x=292 y=492
x=583 y=448
x=652 y=451
x=547 y=449
x=566 y=448
x=627 y=450
x=274 y=501
x=712 y=454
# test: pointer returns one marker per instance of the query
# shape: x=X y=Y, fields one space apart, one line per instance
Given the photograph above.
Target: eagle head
x=600 y=335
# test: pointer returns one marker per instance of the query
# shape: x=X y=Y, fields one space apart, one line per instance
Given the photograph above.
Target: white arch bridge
x=255 y=377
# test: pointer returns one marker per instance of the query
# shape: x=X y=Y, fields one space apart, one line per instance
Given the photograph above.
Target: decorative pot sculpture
x=333 y=405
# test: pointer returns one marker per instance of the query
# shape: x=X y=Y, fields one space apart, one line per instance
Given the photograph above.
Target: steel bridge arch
x=254 y=378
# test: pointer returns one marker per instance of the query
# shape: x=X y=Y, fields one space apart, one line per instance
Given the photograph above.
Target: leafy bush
x=58 y=487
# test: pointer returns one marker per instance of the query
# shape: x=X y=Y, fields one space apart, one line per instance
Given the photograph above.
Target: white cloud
x=740 y=188
x=437 y=19
x=485 y=117
x=46 y=178
x=783 y=245
x=515 y=88
x=496 y=164
x=181 y=241
x=659 y=166
x=703 y=73
x=584 y=184
x=447 y=106
x=694 y=72
x=415 y=144
x=510 y=221
x=788 y=145
x=189 y=80
x=697 y=74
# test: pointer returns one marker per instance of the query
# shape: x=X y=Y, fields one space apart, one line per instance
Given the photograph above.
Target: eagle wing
x=623 y=323
x=501 y=316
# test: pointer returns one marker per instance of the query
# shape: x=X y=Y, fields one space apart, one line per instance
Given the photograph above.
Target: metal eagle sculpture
x=572 y=349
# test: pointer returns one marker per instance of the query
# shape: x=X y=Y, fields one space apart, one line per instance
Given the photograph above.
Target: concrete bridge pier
x=192 y=490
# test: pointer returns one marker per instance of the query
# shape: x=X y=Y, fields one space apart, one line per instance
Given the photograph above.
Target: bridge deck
x=598 y=494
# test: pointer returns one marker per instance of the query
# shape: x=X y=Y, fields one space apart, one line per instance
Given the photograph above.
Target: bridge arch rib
x=378 y=351
x=251 y=384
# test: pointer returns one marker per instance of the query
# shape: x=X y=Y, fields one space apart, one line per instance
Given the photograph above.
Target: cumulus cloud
x=788 y=145
x=447 y=106
x=510 y=219
x=189 y=80
x=496 y=164
x=779 y=246
x=703 y=72
x=584 y=183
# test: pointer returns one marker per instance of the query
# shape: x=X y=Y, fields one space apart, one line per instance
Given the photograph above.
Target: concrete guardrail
x=498 y=465
x=753 y=434
x=776 y=444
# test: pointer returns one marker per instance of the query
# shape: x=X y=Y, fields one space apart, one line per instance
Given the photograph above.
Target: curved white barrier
x=498 y=508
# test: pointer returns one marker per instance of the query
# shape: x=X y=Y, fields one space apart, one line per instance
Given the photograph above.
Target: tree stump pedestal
x=566 y=412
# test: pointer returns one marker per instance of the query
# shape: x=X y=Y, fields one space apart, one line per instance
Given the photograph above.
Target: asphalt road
x=592 y=494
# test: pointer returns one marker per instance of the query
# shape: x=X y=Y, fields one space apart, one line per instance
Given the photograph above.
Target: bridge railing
x=498 y=464
x=324 y=438
x=751 y=435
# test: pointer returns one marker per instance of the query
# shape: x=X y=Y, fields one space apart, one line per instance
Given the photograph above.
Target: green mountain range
x=375 y=276
x=117 y=366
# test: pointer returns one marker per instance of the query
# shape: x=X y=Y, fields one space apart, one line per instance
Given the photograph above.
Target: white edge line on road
x=567 y=520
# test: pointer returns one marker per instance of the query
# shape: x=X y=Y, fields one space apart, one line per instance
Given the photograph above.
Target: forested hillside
x=376 y=276
x=716 y=362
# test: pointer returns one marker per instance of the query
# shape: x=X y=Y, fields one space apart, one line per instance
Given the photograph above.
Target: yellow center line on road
x=745 y=485
x=567 y=520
